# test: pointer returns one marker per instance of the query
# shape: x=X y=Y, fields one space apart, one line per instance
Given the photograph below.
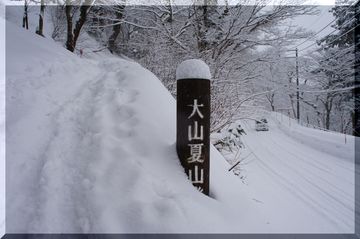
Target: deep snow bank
x=91 y=148
x=333 y=143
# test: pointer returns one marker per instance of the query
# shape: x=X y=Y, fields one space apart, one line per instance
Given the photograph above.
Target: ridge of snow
x=333 y=143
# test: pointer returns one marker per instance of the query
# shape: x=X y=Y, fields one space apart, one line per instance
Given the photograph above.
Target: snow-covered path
x=84 y=148
x=308 y=184
x=68 y=158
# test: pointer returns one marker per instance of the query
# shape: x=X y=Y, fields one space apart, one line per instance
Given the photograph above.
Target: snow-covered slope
x=91 y=148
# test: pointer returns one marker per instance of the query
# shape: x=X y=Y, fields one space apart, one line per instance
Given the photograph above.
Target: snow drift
x=91 y=148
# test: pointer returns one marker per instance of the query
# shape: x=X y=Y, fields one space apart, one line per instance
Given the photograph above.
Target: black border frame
x=356 y=234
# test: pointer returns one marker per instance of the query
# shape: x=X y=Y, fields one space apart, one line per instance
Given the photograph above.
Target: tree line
x=246 y=47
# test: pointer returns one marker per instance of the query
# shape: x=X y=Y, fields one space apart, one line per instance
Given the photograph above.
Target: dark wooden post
x=193 y=121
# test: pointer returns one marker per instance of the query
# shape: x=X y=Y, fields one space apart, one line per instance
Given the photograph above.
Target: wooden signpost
x=193 y=121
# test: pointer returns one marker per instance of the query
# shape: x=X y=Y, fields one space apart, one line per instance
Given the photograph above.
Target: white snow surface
x=193 y=69
x=302 y=174
x=91 y=149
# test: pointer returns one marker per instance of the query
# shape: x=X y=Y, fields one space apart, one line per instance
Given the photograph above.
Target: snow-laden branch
x=329 y=90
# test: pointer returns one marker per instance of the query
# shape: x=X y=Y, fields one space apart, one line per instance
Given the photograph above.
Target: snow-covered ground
x=91 y=148
x=302 y=174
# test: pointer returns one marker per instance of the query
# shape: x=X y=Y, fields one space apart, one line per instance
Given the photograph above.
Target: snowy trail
x=63 y=170
x=82 y=156
x=324 y=183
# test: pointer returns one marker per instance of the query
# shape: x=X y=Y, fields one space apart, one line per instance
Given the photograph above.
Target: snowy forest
x=250 y=50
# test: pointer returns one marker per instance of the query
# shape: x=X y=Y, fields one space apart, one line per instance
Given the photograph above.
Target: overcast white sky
x=316 y=23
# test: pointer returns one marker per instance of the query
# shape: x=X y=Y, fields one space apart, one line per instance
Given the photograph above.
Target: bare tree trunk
x=69 y=20
x=327 y=119
x=204 y=23
x=171 y=12
x=25 y=16
x=328 y=107
x=82 y=19
x=72 y=36
x=41 y=19
x=272 y=103
x=270 y=98
x=119 y=11
x=318 y=118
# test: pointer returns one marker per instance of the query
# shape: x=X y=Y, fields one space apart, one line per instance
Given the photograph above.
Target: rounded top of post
x=193 y=69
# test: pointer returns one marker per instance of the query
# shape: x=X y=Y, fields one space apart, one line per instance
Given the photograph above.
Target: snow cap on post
x=193 y=69
x=193 y=121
